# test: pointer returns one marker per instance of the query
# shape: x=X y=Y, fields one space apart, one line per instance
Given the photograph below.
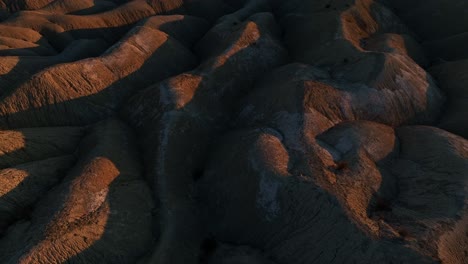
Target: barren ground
x=233 y=131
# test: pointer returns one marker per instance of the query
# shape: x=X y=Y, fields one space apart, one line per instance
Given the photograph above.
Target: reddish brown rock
x=224 y=131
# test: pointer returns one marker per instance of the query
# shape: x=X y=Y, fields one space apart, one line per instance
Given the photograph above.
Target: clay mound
x=12 y=46
x=262 y=179
x=24 y=184
x=394 y=43
x=224 y=131
x=405 y=96
x=99 y=84
x=192 y=108
x=86 y=7
x=32 y=161
x=87 y=218
x=17 y=5
x=60 y=27
x=14 y=70
x=346 y=29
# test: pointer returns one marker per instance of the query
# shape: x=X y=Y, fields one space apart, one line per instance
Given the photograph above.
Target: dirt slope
x=222 y=131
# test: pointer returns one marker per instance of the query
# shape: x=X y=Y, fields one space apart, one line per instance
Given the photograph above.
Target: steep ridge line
x=221 y=131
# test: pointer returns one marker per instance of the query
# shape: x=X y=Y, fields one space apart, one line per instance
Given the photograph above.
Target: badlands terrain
x=233 y=131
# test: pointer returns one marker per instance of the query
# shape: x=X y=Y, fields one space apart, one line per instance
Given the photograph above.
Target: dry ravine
x=233 y=131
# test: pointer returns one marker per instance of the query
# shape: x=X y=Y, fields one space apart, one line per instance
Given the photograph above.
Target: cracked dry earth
x=233 y=132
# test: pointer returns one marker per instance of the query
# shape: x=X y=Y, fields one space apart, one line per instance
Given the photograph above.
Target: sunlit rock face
x=233 y=132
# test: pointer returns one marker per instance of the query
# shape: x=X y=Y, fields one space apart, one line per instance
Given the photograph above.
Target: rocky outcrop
x=222 y=131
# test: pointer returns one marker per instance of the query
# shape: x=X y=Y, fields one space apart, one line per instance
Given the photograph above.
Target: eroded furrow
x=222 y=131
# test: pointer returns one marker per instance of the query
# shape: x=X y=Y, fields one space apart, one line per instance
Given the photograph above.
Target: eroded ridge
x=222 y=131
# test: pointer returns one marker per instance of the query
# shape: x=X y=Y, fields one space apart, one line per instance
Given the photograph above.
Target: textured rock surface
x=233 y=132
